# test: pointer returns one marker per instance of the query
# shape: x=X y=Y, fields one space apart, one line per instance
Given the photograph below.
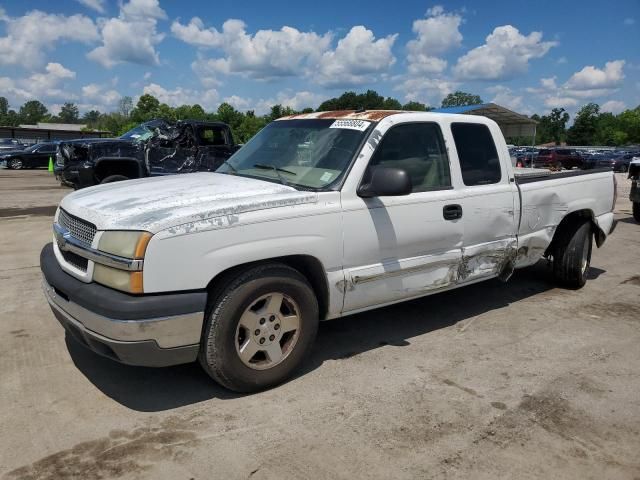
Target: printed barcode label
x=360 y=125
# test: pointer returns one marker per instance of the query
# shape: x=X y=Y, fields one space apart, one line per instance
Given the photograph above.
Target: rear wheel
x=572 y=255
x=15 y=163
x=114 y=178
x=259 y=327
x=636 y=211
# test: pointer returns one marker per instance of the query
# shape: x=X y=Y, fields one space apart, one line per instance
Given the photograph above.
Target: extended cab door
x=488 y=201
x=402 y=246
x=215 y=146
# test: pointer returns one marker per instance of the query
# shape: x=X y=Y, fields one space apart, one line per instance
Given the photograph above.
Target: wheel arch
x=571 y=221
x=308 y=266
x=128 y=166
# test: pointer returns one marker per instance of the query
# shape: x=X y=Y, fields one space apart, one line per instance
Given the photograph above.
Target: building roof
x=511 y=123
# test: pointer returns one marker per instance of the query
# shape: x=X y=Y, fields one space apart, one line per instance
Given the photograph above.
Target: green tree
x=32 y=112
x=69 y=113
x=552 y=127
x=125 y=106
x=585 y=126
x=146 y=109
x=391 y=104
x=415 y=107
x=460 y=99
x=91 y=117
x=4 y=106
x=370 y=100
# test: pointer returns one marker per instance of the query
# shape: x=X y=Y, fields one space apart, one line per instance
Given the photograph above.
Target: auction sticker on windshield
x=360 y=125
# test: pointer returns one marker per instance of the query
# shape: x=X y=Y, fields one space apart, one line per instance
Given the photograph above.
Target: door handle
x=452 y=212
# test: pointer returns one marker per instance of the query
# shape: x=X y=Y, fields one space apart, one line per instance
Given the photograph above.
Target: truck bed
x=546 y=198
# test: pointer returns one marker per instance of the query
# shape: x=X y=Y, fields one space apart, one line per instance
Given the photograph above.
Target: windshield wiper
x=264 y=166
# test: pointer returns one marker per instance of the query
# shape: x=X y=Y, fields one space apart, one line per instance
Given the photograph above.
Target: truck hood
x=183 y=202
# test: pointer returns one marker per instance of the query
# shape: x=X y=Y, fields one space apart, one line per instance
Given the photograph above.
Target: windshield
x=139 y=133
x=33 y=148
x=311 y=153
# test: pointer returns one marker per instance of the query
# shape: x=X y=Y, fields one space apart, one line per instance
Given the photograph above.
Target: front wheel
x=636 y=211
x=259 y=327
x=15 y=163
x=113 y=178
x=572 y=255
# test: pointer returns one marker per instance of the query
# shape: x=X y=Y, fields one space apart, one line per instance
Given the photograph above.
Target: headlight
x=130 y=282
x=124 y=243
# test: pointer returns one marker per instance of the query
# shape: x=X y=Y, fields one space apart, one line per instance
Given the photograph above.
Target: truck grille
x=76 y=260
x=79 y=229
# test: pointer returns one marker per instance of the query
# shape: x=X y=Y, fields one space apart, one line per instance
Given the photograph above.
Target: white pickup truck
x=319 y=216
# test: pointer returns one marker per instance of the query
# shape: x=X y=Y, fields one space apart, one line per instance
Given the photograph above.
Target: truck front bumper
x=146 y=330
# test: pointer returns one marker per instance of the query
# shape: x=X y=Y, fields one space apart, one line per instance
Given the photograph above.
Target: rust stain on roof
x=373 y=115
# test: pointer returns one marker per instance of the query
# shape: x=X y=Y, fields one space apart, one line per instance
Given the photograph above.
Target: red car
x=565 y=158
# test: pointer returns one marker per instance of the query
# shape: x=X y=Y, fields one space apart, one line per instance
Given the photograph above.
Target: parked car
x=318 y=216
x=634 y=194
x=11 y=144
x=153 y=148
x=35 y=156
x=618 y=161
x=557 y=159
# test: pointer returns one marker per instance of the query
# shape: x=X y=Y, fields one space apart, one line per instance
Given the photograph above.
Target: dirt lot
x=516 y=380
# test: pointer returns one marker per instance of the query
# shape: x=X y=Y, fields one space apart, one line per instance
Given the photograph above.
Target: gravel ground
x=515 y=380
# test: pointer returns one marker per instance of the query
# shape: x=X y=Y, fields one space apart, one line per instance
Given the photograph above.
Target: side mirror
x=386 y=182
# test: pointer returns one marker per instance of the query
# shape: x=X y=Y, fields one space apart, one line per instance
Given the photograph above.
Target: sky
x=527 y=56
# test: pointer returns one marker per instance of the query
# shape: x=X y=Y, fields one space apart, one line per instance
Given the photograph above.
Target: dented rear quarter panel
x=547 y=202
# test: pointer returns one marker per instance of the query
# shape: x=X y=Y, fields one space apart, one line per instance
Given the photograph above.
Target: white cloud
x=507 y=98
x=591 y=78
x=505 y=55
x=427 y=90
x=560 y=102
x=107 y=98
x=44 y=86
x=28 y=38
x=132 y=36
x=562 y=60
x=588 y=84
x=207 y=99
x=97 y=5
x=263 y=55
x=613 y=106
x=141 y=9
x=358 y=57
x=629 y=21
x=194 y=33
x=295 y=100
x=435 y=35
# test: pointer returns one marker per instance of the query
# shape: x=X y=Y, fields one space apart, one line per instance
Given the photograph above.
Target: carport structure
x=511 y=123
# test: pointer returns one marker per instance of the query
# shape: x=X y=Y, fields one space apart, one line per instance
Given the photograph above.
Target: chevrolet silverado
x=319 y=216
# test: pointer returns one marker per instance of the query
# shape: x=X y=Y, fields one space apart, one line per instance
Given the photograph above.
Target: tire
x=113 y=178
x=624 y=168
x=15 y=164
x=636 y=211
x=572 y=254
x=236 y=318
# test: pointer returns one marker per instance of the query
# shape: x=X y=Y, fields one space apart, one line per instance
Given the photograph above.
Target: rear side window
x=417 y=148
x=211 y=136
x=477 y=153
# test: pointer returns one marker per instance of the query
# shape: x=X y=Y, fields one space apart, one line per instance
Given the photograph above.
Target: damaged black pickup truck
x=153 y=148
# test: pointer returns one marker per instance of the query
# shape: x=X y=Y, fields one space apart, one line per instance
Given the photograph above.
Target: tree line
x=590 y=127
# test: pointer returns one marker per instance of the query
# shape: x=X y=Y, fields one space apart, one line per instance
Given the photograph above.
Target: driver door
x=403 y=246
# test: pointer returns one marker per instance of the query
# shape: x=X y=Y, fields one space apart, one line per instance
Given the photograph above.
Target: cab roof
x=372 y=115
